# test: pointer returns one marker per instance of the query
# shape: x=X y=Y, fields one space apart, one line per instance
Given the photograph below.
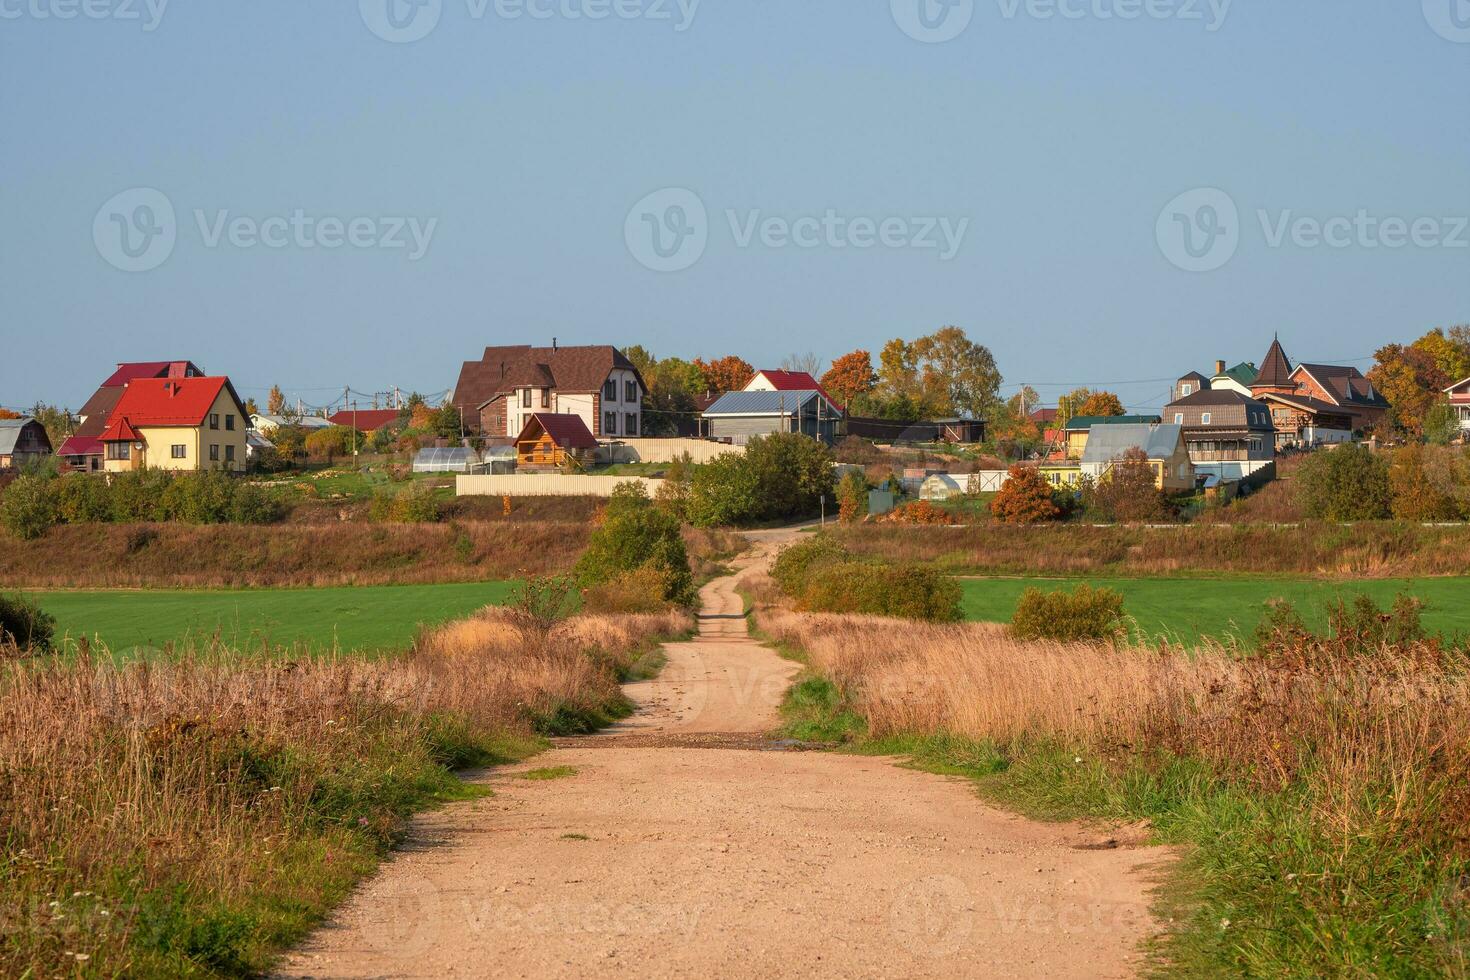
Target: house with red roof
x=790 y=381
x=548 y=439
x=176 y=423
x=83 y=450
x=367 y=420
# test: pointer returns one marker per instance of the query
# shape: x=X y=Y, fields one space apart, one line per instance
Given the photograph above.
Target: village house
x=1163 y=445
x=1238 y=379
x=1078 y=429
x=83 y=449
x=737 y=416
x=497 y=395
x=1228 y=435
x=181 y=424
x=1315 y=404
x=1459 y=398
x=22 y=441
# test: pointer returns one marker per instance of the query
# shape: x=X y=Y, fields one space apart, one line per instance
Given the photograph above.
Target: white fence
x=663 y=450
x=546 y=485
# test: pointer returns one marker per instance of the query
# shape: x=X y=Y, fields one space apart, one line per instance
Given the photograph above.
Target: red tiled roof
x=567 y=431
x=365 y=420
x=171 y=401
x=1045 y=416
x=119 y=430
x=136 y=370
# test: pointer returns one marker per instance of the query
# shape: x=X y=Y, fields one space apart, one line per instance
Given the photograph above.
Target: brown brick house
x=498 y=394
x=1313 y=404
x=1227 y=434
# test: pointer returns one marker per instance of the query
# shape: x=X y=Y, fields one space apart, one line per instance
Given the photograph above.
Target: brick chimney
x=1219 y=367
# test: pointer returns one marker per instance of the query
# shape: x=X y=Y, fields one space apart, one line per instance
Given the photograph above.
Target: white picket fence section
x=547 y=485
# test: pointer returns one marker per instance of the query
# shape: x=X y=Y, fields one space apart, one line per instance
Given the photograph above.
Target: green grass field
x=1187 y=609
x=355 y=619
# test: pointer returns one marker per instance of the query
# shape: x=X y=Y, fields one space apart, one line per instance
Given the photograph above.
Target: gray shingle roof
x=1107 y=442
x=760 y=402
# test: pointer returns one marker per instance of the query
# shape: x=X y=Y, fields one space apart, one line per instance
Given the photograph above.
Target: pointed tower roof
x=1275 y=369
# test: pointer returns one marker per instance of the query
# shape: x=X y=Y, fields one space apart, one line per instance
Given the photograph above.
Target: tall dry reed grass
x=190 y=816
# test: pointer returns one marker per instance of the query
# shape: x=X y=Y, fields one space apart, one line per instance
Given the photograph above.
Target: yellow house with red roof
x=181 y=424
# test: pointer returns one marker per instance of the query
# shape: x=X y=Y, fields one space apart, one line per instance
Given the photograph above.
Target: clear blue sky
x=529 y=141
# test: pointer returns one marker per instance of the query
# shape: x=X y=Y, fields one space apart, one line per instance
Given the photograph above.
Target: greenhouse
x=447 y=459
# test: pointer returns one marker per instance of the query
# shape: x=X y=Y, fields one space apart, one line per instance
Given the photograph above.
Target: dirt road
x=687 y=845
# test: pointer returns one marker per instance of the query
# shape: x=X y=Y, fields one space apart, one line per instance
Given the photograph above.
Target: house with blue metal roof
x=738 y=415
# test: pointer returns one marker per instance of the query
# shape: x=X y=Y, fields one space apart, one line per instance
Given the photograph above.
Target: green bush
x=1082 y=614
x=778 y=478
x=796 y=561
x=199 y=498
x=899 y=591
x=25 y=624
x=137 y=497
x=28 y=507
x=254 y=505
x=635 y=535
x=83 y=499
x=415 y=505
x=643 y=590
x=1348 y=483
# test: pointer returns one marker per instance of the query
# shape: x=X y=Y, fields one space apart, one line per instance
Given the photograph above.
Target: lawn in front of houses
x=1187 y=609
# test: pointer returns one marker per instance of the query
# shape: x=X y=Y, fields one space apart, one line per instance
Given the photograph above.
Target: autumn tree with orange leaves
x=730 y=373
x=849 y=376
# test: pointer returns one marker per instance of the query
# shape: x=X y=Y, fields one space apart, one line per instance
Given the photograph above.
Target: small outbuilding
x=551 y=440
x=21 y=441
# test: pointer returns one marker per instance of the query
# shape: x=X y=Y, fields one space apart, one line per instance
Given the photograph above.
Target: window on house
x=609 y=423
x=214 y=453
x=1204 y=418
x=545 y=397
x=179 y=451
x=630 y=425
x=230 y=423
x=630 y=391
x=526 y=398
x=1186 y=390
x=119 y=450
x=214 y=421
x=1178 y=418
x=610 y=390
x=229 y=454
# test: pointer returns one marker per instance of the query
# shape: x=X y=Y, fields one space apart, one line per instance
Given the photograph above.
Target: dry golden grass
x=160 y=817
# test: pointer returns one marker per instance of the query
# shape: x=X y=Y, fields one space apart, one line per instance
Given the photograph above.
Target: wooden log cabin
x=549 y=440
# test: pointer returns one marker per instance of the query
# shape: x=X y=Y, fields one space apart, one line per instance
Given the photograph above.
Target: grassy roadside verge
x=1316 y=874
x=194 y=817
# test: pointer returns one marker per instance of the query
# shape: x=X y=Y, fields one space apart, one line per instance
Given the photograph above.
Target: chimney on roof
x=1219 y=367
x=553 y=343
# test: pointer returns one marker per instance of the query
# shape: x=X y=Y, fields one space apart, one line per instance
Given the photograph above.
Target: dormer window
x=1204 y=418
x=1186 y=389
